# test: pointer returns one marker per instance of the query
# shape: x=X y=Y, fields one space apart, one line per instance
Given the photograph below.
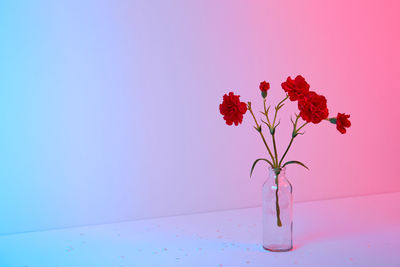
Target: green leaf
x=295 y=162
x=255 y=162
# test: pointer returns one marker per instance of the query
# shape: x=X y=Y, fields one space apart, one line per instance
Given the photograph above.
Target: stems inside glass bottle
x=278 y=210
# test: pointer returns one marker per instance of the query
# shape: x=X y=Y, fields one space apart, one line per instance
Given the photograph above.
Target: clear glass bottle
x=277 y=212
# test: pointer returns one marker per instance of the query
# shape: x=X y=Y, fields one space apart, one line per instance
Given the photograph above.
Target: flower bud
x=264 y=94
x=332 y=120
x=272 y=130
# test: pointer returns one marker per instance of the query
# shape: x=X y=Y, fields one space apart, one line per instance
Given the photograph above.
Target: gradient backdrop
x=109 y=109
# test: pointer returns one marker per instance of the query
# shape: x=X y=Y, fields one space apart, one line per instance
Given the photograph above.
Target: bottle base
x=273 y=248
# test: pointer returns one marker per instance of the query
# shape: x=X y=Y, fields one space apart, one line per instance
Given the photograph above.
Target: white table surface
x=358 y=231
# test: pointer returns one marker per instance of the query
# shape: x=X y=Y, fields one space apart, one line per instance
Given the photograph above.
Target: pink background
x=111 y=108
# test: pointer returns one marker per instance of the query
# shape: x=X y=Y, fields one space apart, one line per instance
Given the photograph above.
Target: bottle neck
x=277 y=173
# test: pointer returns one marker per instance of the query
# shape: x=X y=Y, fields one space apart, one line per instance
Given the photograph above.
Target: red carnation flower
x=296 y=88
x=342 y=122
x=232 y=109
x=313 y=108
x=264 y=86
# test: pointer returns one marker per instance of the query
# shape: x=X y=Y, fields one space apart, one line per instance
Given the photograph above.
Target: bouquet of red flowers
x=312 y=109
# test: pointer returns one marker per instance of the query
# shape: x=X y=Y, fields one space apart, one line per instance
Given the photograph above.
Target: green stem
x=273 y=127
x=277 y=108
x=283 y=100
x=262 y=136
x=276 y=165
x=266 y=112
x=278 y=210
x=269 y=151
x=294 y=134
x=302 y=126
x=276 y=112
x=275 y=150
x=287 y=149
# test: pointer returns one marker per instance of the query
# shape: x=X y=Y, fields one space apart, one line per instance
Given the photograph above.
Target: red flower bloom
x=296 y=88
x=264 y=86
x=232 y=109
x=313 y=108
x=342 y=122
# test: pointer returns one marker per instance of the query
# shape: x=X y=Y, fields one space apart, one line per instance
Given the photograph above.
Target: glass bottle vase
x=277 y=212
